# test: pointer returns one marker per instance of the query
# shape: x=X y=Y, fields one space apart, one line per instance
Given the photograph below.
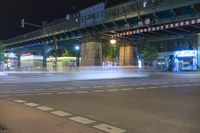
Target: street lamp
x=77 y=48
x=113 y=41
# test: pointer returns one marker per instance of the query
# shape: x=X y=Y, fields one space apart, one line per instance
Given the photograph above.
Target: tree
x=150 y=53
x=110 y=52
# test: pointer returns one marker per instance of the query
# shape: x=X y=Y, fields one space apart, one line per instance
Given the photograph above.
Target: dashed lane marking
x=55 y=89
x=133 y=84
x=153 y=87
x=110 y=86
x=155 y=83
x=4 y=96
x=176 y=85
x=127 y=89
x=20 y=101
x=45 y=93
x=97 y=86
x=112 y=90
x=81 y=92
x=140 y=88
x=122 y=85
x=196 y=84
x=44 y=108
x=186 y=85
x=84 y=87
x=68 y=88
x=164 y=86
x=31 y=104
x=60 y=113
x=82 y=120
x=98 y=91
x=24 y=94
x=109 y=128
x=62 y=93
x=38 y=89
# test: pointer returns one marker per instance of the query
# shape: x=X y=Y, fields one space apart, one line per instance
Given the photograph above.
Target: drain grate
x=2 y=127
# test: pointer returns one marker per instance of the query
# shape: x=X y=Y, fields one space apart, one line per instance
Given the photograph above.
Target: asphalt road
x=160 y=103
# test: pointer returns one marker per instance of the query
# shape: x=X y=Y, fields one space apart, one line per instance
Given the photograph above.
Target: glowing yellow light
x=113 y=41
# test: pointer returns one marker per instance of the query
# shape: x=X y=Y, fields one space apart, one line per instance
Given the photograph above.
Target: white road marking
x=20 y=101
x=55 y=89
x=196 y=84
x=122 y=85
x=112 y=90
x=24 y=94
x=4 y=95
x=81 y=92
x=44 y=108
x=60 y=113
x=154 y=83
x=153 y=87
x=45 y=93
x=97 y=87
x=68 y=88
x=127 y=89
x=98 y=91
x=38 y=89
x=84 y=87
x=164 y=82
x=62 y=93
x=110 y=86
x=109 y=129
x=82 y=120
x=140 y=88
x=186 y=85
x=133 y=84
x=46 y=85
x=176 y=85
x=164 y=86
x=31 y=104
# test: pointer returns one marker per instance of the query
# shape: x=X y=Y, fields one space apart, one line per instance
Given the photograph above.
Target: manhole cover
x=2 y=127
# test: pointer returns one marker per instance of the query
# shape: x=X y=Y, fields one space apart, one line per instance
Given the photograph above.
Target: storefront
x=31 y=62
x=185 y=60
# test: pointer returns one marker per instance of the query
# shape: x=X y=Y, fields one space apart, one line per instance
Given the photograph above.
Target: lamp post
x=77 y=48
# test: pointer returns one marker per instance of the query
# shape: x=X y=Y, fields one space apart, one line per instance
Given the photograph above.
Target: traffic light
x=22 y=23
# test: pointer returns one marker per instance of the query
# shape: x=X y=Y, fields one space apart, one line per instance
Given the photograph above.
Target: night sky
x=37 y=11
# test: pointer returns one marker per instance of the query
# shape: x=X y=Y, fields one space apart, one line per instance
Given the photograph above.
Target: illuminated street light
x=113 y=41
x=77 y=47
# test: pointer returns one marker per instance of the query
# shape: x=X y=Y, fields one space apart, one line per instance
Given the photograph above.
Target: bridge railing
x=109 y=14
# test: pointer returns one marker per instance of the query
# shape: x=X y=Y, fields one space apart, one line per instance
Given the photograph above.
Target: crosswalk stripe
x=20 y=101
x=109 y=128
x=44 y=108
x=60 y=113
x=82 y=120
x=31 y=104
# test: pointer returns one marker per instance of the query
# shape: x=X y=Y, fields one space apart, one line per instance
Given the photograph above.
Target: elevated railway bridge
x=132 y=23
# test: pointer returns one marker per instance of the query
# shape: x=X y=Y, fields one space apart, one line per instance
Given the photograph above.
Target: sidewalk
x=21 y=119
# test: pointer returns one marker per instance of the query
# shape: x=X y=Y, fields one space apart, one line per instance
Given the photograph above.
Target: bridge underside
x=165 y=22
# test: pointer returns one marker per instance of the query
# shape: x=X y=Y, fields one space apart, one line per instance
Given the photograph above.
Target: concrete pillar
x=45 y=54
x=198 y=49
x=127 y=53
x=91 y=53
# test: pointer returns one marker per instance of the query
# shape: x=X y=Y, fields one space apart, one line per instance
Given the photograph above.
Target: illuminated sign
x=31 y=57
x=186 y=53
